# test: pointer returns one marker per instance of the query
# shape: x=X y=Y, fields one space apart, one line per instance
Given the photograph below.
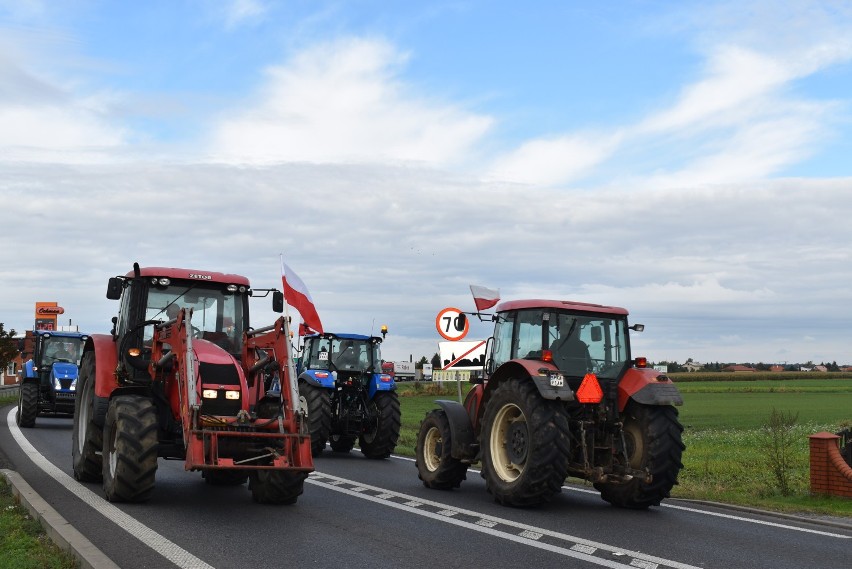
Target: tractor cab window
x=529 y=334
x=216 y=315
x=59 y=349
x=501 y=351
x=319 y=353
x=352 y=355
x=588 y=343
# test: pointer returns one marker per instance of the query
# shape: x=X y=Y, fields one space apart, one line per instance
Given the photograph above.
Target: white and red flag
x=296 y=295
x=484 y=297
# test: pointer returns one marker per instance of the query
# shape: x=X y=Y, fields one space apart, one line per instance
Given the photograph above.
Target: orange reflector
x=546 y=355
x=590 y=390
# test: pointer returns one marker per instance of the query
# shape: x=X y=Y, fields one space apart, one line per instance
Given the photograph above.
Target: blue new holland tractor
x=49 y=378
x=347 y=395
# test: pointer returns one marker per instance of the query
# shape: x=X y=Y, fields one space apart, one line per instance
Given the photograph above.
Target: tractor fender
x=380 y=382
x=317 y=378
x=461 y=430
x=106 y=361
x=545 y=376
x=29 y=375
x=649 y=387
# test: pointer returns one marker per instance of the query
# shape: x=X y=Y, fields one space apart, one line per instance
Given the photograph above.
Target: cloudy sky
x=689 y=161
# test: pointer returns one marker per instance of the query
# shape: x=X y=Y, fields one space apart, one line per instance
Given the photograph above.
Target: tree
x=420 y=362
x=436 y=361
x=8 y=347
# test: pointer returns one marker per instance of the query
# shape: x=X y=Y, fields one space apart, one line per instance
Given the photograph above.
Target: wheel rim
x=509 y=443
x=303 y=405
x=373 y=425
x=432 y=449
x=634 y=445
x=113 y=456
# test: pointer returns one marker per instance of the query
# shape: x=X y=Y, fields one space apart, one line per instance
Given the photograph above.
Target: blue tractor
x=49 y=379
x=347 y=396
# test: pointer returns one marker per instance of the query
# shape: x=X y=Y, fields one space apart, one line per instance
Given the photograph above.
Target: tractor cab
x=576 y=338
x=216 y=305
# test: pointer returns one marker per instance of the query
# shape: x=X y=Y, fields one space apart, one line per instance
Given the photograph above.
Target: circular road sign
x=449 y=324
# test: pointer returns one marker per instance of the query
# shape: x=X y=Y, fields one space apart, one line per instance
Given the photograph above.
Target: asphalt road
x=358 y=513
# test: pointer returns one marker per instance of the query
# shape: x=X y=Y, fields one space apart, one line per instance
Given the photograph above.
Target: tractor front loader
x=195 y=386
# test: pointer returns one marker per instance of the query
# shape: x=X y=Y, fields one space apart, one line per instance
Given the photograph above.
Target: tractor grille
x=220 y=374
x=222 y=378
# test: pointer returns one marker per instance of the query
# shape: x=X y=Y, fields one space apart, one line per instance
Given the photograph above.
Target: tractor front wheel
x=525 y=445
x=276 y=487
x=381 y=436
x=652 y=436
x=87 y=438
x=130 y=449
x=25 y=416
x=435 y=465
x=317 y=402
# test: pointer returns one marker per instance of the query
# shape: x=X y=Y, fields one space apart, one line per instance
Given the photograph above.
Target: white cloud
x=341 y=102
x=238 y=12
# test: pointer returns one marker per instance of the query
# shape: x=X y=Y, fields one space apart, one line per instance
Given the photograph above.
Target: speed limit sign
x=451 y=325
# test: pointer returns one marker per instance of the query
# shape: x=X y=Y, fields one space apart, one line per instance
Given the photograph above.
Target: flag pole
x=291 y=370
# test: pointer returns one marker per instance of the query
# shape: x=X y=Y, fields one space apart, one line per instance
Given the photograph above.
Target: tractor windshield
x=588 y=343
x=217 y=316
x=344 y=354
x=61 y=349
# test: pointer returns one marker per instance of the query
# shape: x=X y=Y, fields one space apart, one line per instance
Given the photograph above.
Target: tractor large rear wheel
x=27 y=411
x=435 y=465
x=379 y=439
x=317 y=402
x=130 y=449
x=525 y=445
x=87 y=438
x=276 y=486
x=652 y=435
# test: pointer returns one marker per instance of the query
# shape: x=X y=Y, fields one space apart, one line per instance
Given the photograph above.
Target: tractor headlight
x=232 y=394
x=209 y=394
x=56 y=383
x=74 y=385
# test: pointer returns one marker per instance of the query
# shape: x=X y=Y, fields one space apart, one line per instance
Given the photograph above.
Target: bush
x=778 y=442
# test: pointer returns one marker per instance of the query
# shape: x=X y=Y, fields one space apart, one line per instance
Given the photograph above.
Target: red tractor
x=561 y=396
x=183 y=376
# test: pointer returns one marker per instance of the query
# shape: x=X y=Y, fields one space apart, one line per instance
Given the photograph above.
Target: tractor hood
x=63 y=370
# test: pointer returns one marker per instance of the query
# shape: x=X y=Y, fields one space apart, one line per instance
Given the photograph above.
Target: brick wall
x=830 y=475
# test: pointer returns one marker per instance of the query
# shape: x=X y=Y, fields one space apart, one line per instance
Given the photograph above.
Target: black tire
x=435 y=466
x=379 y=441
x=130 y=449
x=228 y=477
x=652 y=434
x=87 y=438
x=317 y=401
x=276 y=487
x=525 y=445
x=25 y=416
x=341 y=443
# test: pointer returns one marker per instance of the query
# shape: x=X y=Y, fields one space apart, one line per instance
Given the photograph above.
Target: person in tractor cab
x=172 y=311
x=62 y=353
x=570 y=353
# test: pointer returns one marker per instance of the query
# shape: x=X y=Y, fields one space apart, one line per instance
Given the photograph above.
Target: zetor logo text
x=50 y=310
x=202 y=277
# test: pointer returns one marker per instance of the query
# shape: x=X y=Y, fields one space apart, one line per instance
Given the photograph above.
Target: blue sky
x=688 y=161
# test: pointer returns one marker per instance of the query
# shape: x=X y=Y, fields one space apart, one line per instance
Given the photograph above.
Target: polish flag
x=296 y=294
x=484 y=297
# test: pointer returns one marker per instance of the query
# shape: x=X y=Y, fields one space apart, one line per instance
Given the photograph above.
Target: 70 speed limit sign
x=450 y=326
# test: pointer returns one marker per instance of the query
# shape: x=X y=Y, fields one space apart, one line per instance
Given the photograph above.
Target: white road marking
x=698 y=511
x=540 y=538
x=168 y=549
